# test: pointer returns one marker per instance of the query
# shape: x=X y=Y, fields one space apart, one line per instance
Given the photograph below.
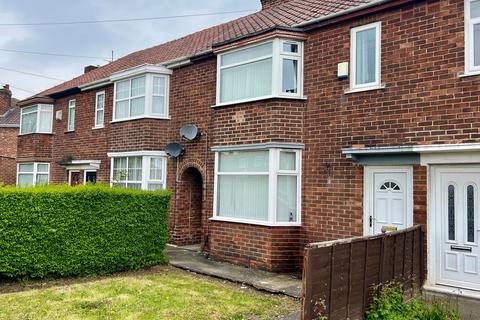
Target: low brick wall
x=276 y=249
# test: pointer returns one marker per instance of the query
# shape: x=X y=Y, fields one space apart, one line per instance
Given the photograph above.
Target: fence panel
x=339 y=276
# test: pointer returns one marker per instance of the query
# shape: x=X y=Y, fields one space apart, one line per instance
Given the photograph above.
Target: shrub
x=65 y=231
x=389 y=304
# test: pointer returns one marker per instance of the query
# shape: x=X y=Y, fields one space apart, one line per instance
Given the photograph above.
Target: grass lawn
x=158 y=293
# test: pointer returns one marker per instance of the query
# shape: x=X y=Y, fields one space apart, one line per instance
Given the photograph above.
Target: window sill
x=375 y=87
x=303 y=98
x=138 y=118
x=32 y=133
x=468 y=74
x=69 y=131
x=258 y=223
x=96 y=128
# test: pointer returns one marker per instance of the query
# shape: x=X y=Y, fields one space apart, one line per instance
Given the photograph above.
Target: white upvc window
x=141 y=97
x=270 y=69
x=71 y=115
x=37 y=119
x=472 y=36
x=99 y=109
x=32 y=174
x=365 y=55
x=142 y=170
x=258 y=186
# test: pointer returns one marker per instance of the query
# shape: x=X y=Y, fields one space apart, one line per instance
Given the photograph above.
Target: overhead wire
x=50 y=23
x=32 y=74
x=53 y=54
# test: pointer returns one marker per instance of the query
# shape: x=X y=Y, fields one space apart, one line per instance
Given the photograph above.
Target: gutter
x=342 y=13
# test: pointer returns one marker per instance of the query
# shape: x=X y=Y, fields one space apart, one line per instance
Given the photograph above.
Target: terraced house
x=318 y=120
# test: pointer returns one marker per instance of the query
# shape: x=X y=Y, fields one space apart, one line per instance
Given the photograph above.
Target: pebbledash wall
x=424 y=101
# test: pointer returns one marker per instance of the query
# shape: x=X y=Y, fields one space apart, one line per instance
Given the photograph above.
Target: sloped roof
x=287 y=14
x=11 y=118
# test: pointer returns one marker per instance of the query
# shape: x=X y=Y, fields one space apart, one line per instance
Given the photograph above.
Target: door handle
x=460 y=248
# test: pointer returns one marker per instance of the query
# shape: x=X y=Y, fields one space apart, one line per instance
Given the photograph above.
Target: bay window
x=32 y=174
x=472 y=36
x=258 y=186
x=269 y=69
x=365 y=56
x=36 y=119
x=140 y=97
x=142 y=170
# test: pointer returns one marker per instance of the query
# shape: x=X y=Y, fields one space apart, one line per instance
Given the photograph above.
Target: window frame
x=38 y=111
x=273 y=173
x=277 y=56
x=148 y=111
x=72 y=106
x=146 y=156
x=35 y=172
x=378 y=57
x=469 y=41
x=96 y=124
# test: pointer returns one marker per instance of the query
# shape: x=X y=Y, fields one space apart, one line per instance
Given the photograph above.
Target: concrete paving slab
x=195 y=261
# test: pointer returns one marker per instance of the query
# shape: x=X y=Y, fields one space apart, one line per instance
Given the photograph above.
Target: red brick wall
x=271 y=248
x=8 y=171
x=8 y=142
x=424 y=102
x=34 y=147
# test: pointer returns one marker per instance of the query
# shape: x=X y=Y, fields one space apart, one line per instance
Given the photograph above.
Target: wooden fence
x=340 y=276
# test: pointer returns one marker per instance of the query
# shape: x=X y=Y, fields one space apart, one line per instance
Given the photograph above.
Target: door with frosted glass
x=457 y=211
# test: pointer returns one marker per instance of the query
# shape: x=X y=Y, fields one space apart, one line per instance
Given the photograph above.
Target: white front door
x=456 y=200
x=388 y=199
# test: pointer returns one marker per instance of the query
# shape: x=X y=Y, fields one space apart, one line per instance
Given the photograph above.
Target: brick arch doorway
x=193 y=204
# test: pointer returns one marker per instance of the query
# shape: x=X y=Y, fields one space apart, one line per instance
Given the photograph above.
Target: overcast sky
x=93 y=39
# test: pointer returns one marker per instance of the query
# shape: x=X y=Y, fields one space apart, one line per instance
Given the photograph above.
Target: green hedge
x=65 y=231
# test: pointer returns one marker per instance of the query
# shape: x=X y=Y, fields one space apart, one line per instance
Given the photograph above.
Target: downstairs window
x=145 y=172
x=32 y=174
x=261 y=186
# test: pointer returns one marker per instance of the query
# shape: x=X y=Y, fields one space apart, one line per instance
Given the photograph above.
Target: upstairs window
x=141 y=97
x=71 y=115
x=365 y=56
x=269 y=69
x=37 y=119
x=472 y=36
x=99 y=109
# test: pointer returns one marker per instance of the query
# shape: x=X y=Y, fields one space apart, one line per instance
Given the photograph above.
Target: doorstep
x=468 y=306
x=195 y=261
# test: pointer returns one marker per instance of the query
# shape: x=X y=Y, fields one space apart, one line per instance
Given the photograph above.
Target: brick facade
x=423 y=102
x=9 y=122
x=8 y=169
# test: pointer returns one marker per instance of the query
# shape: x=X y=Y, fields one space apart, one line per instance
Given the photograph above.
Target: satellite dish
x=189 y=132
x=174 y=149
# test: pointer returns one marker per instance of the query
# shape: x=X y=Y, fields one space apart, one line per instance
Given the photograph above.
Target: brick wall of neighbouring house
x=8 y=169
x=84 y=143
x=8 y=142
x=424 y=102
